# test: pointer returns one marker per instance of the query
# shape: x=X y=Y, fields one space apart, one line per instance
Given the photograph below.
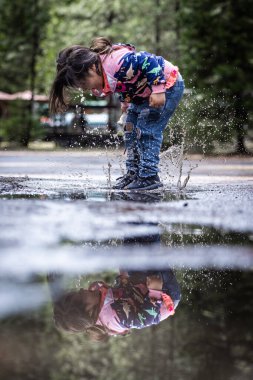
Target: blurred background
x=209 y=41
x=64 y=218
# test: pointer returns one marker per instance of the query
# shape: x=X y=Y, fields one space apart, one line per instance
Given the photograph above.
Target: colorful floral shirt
x=135 y=75
x=130 y=305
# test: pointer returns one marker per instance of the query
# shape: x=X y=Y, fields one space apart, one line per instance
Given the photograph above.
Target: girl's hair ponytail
x=101 y=45
x=72 y=67
x=73 y=64
x=98 y=333
x=70 y=316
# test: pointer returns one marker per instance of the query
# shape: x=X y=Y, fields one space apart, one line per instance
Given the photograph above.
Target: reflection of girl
x=136 y=301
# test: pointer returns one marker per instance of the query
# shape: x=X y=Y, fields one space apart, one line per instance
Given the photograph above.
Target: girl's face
x=93 y=80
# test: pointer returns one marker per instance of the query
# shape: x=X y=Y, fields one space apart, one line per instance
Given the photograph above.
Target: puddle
x=145 y=246
x=63 y=241
x=210 y=284
x=102 y=195
x=211 y=328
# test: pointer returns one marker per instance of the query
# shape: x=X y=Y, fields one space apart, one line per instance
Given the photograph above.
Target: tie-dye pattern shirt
x=135 y=75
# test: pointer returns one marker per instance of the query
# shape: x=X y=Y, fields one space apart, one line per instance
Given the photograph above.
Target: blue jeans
x=170 y=284
x=144 y=131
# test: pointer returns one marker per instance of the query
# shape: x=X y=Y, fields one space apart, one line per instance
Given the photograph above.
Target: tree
x=22 y=30
x=217 y=55
x=79 y=21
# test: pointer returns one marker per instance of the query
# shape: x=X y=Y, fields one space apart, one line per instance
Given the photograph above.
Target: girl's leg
x=130 y=138
x=131 y=146
x=171 y=286
x=151 y=124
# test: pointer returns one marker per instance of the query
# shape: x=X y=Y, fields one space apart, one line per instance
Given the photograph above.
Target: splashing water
x=109 y=175
x=174 y=165
x=107 y=171
x=173 y=161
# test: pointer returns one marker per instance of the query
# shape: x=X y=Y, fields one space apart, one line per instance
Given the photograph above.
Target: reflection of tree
x=210 y=338
x=219 y=326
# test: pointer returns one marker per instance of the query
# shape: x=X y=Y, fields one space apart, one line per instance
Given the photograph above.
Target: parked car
x=58 y=120
x=96 y=120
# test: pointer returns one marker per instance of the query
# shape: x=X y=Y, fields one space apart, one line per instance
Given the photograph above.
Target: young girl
x=150 y=89
x=136 y=301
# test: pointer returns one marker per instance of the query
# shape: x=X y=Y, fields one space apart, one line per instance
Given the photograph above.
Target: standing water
x=174 y=270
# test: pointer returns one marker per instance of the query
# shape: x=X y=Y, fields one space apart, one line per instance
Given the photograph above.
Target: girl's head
x=78 y=67
x=78 y=311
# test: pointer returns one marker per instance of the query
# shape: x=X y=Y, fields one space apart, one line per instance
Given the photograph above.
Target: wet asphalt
x=59 y=214
x=50 y=198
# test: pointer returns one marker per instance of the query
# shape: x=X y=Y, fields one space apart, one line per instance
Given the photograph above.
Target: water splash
x=108 y=175
x=181 y=185
x=174 y=162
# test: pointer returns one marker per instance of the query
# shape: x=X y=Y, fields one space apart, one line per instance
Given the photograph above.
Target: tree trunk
x=34 y=55
x=177 y=30
x=240 y=147
x=157 y=28
x=240 y=120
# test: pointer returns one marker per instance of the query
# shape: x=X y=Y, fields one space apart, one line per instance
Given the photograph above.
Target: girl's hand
x=124 y=107
x=154 y=282
x=157 y=100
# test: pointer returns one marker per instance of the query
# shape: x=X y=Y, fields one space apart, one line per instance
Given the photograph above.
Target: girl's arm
x=166 y=282
x=157 y=100
x=146 y=64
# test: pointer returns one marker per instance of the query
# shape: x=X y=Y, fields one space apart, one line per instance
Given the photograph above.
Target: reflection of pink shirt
x=108 y=317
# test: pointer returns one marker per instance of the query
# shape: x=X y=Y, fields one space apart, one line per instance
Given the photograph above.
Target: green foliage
x=217 y=56
x=16 y=128
x=210 y=336
x=203 y=122
x=208 y=40
x=79 y=21
x=21 y=32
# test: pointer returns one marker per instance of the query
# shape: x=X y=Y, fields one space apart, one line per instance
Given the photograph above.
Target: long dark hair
x=70 y=316
x=72 y=67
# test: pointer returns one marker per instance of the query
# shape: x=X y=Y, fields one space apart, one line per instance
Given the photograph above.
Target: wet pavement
x=67 y=195
x=60 y=219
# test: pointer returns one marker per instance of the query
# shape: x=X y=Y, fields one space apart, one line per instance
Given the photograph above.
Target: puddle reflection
x=212 y=328
x=132 y=321
x=135 y=300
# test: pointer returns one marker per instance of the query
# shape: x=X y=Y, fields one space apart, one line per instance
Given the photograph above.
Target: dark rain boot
x=145 y=183
x=125 y=180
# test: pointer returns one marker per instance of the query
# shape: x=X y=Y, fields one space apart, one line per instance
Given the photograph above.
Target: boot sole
x=150 y=187
x=115 y=187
